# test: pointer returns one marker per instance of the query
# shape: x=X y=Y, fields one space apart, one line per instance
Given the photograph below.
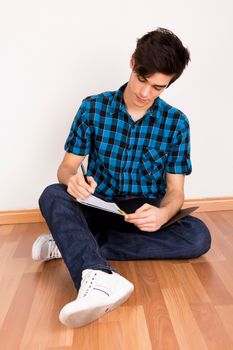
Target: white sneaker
x=99 y=293
x=44 y=248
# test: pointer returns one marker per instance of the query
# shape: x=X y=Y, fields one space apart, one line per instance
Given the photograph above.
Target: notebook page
x=101 y=204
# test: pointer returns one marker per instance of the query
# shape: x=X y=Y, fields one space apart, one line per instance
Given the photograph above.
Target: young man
x=139 y=151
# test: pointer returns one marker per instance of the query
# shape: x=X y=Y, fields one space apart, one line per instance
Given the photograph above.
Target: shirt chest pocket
x=152 y=164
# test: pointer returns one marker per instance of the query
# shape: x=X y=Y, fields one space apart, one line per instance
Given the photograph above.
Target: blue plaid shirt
x=127 y=157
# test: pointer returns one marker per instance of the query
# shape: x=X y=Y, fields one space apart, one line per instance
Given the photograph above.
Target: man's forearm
x=64 y=173
x=69 y=167
x=172 y=203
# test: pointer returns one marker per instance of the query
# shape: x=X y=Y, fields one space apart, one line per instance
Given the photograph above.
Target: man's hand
x=78 y=187
x=148 y=217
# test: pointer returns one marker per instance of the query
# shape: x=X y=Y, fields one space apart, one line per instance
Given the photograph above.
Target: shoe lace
x=54 y=252
x=87 y=283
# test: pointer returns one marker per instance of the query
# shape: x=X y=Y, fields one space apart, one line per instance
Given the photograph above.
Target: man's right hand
x=79 y=188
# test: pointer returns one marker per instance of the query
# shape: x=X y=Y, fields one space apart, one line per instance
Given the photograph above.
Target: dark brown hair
x=160 y=51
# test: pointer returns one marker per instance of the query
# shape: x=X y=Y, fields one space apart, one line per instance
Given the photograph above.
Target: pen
x=122 y=212
x=84 y=174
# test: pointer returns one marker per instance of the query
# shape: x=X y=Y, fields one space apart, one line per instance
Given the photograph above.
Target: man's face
x=143 y=91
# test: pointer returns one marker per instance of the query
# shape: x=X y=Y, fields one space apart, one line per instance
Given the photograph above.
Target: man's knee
x=201 y=237
x=50 y=193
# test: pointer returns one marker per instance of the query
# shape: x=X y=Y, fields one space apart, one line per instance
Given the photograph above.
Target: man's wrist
x=164 y=214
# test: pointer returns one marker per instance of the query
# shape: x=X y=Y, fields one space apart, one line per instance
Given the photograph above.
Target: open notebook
x=121 y=207
x=96 y=202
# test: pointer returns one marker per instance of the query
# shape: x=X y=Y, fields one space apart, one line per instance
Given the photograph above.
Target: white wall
x=54 y=53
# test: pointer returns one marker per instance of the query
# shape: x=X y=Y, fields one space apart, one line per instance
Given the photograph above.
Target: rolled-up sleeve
x=79 y=139
x=178 y=160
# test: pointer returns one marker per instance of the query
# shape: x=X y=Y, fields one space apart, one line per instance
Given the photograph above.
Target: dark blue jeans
x=87 y=237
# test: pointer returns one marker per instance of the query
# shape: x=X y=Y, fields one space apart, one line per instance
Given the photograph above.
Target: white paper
x=96 y=202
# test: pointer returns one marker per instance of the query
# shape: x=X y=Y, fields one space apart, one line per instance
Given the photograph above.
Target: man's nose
x=145 y=91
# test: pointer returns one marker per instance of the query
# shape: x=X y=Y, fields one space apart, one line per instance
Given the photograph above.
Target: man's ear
x=132 y=62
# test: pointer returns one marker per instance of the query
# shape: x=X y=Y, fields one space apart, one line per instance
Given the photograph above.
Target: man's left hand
x=148 y=217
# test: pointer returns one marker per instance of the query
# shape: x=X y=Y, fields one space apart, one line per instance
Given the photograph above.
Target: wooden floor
x=177 y=304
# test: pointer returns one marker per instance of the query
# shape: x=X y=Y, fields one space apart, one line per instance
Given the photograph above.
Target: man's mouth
x=141 y=99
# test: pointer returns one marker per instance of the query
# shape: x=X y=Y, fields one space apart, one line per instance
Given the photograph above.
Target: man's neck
x=134 y=111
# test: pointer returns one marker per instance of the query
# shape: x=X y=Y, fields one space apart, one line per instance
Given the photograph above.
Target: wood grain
x=177 y=304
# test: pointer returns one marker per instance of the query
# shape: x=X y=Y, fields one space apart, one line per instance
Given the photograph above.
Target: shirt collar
x=118 y=103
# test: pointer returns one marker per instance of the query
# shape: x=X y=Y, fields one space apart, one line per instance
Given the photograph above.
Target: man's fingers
x=147 y=228
x=92 y=183
x=141 y=221
x=144 y=207
x=82 y=193
x=83 y=184
x=132 y=216
x=72 y=190
x=141 y=212
x=79 y=184
x=79 y=188
x=78 y=191
x=136 y=216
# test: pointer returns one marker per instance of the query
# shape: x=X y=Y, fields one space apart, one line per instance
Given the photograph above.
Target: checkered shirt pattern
x=127 y=157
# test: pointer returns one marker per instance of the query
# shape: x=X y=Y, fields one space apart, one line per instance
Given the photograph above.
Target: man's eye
x=158 y=89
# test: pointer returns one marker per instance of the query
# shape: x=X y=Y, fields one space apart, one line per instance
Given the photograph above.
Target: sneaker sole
x=74 y=317
x=36 y=247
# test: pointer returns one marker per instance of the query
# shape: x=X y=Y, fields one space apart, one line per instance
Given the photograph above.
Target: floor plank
x=177 y=304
